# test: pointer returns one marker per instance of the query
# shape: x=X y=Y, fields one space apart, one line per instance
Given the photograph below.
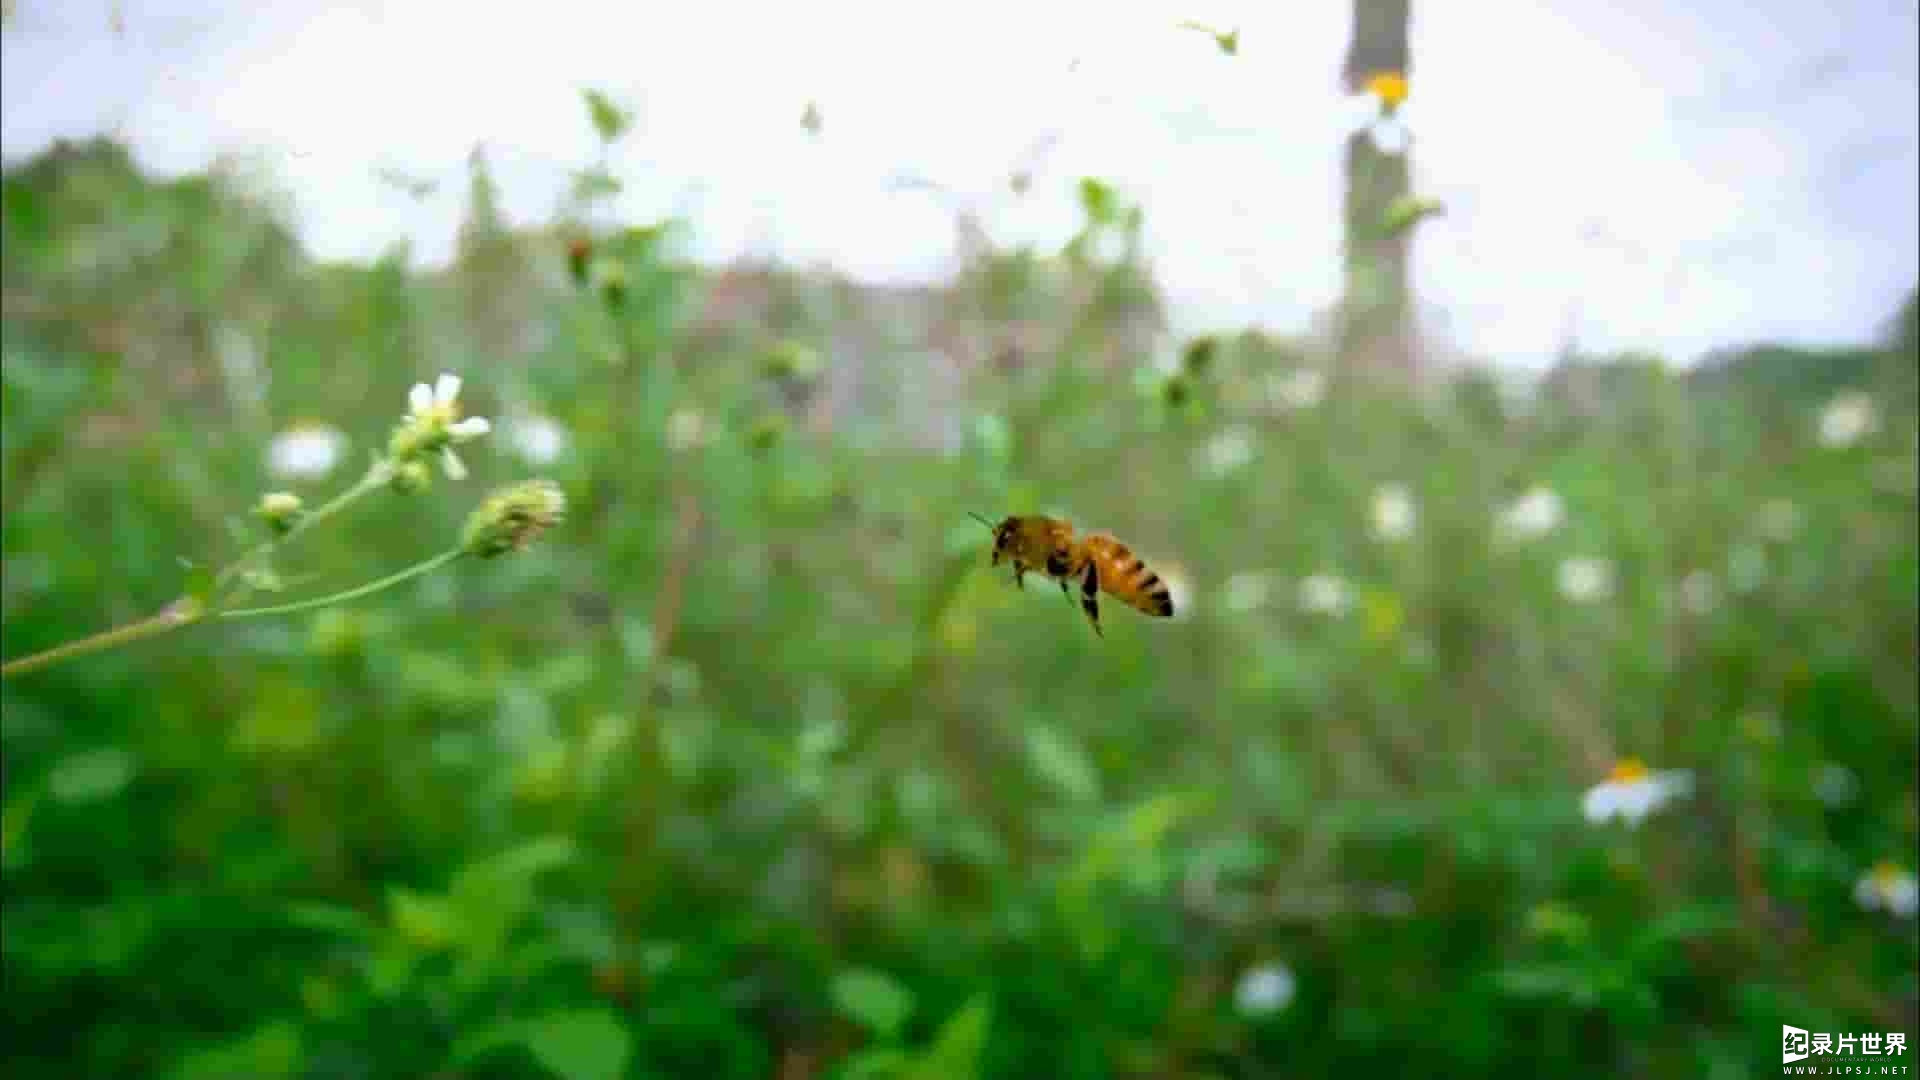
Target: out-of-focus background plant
x=1555 y=733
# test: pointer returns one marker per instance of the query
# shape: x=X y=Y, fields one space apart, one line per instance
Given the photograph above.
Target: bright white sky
x=1639 y=173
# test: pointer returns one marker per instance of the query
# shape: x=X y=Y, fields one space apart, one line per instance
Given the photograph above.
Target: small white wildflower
x=1630 y=792
x=1778 y=520
x=538 y=439
x=1888 y=886
x=1533 y=515
x=1836 y=785
x=433 y=423
x=1301 y=388
x=305 y=451
x=1394 y=513
x=1698 y=593
x=1325 y=594
x=1746 y=569
x=1264 y=990
x=1583 y=580
x=1249 y=590
x=1847 y=419
x=686 y=429
x=1229 y=450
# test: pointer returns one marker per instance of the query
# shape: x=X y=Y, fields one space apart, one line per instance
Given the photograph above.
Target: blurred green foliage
x=754 y=769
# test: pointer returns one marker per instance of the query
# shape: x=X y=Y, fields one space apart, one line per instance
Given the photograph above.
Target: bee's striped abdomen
x=1127 y=577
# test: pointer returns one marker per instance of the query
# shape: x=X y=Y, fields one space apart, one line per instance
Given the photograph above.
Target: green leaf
x=330 y=919
x=426 y=922
x=1119 y=849
x=1059 y=761
x=584 y=1044
x=610 y=121
x=93 y=775
x=273 y=1050
x=873 y=999
x=575 y=1044
x=1407 y=211
x=14 y=851
x=875 y=1062
x=955 y=1054
x=1098 y=201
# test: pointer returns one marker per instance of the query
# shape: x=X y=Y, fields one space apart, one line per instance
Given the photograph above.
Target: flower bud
x=766 y=433
x=281 y=511
x=512 y=518
x=579 y=250
x=410 y=477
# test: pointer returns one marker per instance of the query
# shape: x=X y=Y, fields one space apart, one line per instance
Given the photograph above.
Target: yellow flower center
x=1885 y=873
x=1389 y=86
x=1629 y=770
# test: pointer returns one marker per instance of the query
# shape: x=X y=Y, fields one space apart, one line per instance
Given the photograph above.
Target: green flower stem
x=374 y=478
x=182 y=612
x=355 y=593
x=188 y=610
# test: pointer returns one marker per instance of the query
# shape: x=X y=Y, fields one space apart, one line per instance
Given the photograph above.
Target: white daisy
x=1847 y=419
x=1583 y=580
x=1630 y=792
x=1533 y=515
x=1229 y=450
x=1249 y=590
x=1890 y=887
x=1325 y=594
x=1699 y=594
x=538 y=439
x=305 y=451
x=1264 y=990
x=1394 y=513
x=434 y=417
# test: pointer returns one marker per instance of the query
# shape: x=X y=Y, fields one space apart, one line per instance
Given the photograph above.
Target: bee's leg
x=1019 y=574
x=1090 y=596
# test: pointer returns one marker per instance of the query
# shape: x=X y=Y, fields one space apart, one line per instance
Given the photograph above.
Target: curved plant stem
x=182 y=612
x=355 y=593
x=375 y=477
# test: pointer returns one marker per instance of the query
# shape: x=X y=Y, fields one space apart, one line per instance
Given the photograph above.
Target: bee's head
x=1002 y=536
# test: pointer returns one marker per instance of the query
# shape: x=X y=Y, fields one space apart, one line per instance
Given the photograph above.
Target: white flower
x=686 y=429
x=1324 y=594
x=1631 y=792
x=1582 y=579
x=1394 y=513
x=1836 y=785
x=1533 y=515
x=1249 y=590
x=1264 y=990
x=539 y=440
x=1888 y=886
x=1779 y=519
x=305 y=451
x=1301 y=388
x=1229 y=450
x=433 y=414
x=1847 y=419
x=1698 y=593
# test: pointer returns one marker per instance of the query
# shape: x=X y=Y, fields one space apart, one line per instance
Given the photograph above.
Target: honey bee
x=1097 y=561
